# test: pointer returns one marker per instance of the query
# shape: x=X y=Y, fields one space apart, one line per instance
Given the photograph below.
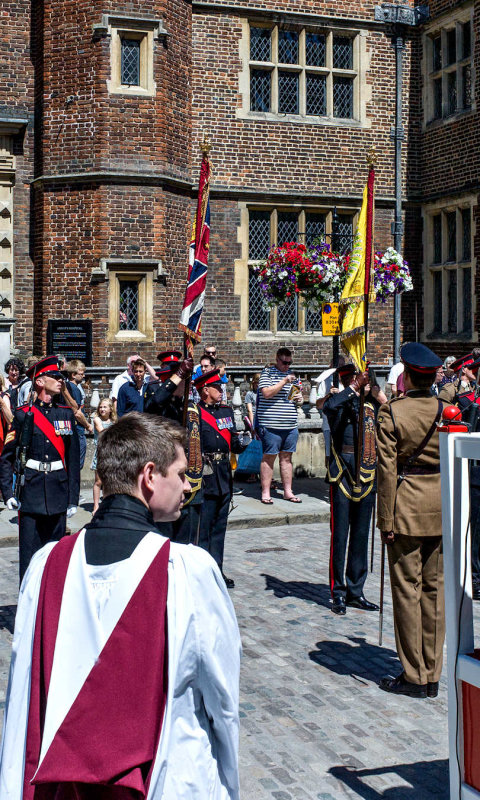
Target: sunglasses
x=211 y=352
x=287 y=363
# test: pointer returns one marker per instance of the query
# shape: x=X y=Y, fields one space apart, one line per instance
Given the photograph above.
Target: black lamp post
x=399 y=18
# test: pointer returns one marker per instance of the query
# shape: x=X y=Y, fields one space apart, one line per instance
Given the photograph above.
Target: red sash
x=49 y=431
x=212 y=421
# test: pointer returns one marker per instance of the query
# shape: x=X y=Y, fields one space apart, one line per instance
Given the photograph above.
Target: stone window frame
x=362 y=91
x=447 y=265
x=143 y=272
x=441 y=28
x=144 y=29
x=243 y=266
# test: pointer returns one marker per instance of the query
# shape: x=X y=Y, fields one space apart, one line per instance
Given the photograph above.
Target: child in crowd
x=104 y=416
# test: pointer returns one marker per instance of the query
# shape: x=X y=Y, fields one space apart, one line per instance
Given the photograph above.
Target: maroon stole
x=110 y=735
x=212 y=421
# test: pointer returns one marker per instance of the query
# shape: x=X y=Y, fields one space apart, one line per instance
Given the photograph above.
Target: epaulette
x=67 y=407
x=396 y=399
x=22 y=408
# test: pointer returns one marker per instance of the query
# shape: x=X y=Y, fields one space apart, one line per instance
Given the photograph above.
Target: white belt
x=44 y=466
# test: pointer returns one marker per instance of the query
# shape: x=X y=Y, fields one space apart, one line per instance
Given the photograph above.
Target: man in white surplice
x=94 y=712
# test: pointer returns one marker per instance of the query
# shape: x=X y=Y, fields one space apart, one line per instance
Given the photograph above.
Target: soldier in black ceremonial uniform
x=461 y=391
x=165 y=397
x=219 y=438
x=51 y=471
x=351 y=499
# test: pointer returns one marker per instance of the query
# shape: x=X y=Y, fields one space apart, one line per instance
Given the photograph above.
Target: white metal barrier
x=455 y=451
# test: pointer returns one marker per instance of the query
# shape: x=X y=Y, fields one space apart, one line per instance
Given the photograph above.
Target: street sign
x=330 y=319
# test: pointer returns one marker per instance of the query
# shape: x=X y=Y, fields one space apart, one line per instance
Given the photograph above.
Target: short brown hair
x=284 y=351
x=139 y=362
x=420 y=380
x=125 y=447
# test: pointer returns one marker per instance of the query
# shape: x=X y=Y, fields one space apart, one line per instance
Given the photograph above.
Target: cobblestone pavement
x=314 y=723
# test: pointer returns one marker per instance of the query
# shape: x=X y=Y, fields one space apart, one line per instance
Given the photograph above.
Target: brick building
x=102 y=108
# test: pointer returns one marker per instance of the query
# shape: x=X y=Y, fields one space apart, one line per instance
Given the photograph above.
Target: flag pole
x=197 y=236
x=371 y=160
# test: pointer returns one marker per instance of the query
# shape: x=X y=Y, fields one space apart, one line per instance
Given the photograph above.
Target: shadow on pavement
x=318 y=593
x=7 y=618
x=427 y=779
x=359 y=658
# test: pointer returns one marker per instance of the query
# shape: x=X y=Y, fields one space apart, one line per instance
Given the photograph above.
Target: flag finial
x=205 y=145
x=372 y=156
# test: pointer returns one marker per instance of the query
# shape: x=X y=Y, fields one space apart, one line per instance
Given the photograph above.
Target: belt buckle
x=46 y=467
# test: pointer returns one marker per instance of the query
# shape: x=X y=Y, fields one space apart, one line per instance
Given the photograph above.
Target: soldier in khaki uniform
x=409 y=517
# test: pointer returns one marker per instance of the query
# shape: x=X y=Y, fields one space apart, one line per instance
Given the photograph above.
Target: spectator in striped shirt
x=277 y=423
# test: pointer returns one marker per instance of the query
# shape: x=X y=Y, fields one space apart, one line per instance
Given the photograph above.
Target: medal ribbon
x=211 y=420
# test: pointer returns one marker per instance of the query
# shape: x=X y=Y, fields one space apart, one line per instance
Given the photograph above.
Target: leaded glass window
x=128 y=307
x=343 y=97
x=258 y=317
x=260 y=44
x=437 y=98
x=316 y=94
x=321 y=78
x=316 y=48
x=287 y=227
x=452 y=300
x=467 y=300
x=315 y=228
x=287 y=93
x=287 y=315
x=467 y=86
x=451 y=93
x=436 y=53
x=258 y=235
x=466 y=234
x=342 y=52
x=466 y=40
x=451 y=46
x=313 y=320
x=449 y=56
x=451 y=218
x=449 y=251
x=288 y=47
x=130 y=68
x=437 y=302
x=345 y=233
x=260 y=90
x=437 y=239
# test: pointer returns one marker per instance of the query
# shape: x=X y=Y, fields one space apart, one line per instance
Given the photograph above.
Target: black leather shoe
x=338 y=606
x=432 y=689
x=229 y=582
x=363 y=603
x=399 y=685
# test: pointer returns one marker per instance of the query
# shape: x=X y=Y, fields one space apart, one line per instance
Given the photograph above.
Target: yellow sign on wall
x=330 y=319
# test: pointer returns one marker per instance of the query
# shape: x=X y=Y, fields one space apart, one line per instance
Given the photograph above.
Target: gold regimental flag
x=359 y=287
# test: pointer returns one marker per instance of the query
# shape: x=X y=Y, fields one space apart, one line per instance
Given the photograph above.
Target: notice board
x=71 y=338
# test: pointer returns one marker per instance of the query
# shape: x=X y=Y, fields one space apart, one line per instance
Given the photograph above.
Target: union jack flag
x=191 y=316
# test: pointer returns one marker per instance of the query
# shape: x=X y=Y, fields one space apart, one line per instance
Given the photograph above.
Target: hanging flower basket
x=320 y=275
x=392 y=275
x=317 y=273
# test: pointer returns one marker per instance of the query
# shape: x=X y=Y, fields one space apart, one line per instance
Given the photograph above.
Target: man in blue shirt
x=132 y=394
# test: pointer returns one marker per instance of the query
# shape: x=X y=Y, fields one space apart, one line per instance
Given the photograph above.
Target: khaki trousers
x=416 y=576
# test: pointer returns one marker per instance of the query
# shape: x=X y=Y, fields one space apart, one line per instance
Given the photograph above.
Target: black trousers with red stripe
x=349 y=525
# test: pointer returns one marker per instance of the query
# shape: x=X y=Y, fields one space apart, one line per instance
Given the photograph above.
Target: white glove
x=71 y=510
x=13 y=504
